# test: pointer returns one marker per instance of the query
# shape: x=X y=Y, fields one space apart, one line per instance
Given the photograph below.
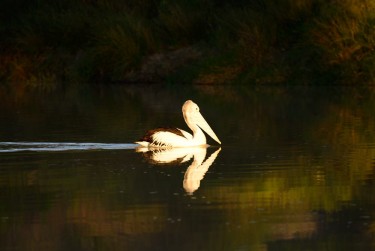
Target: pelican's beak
x=202 y=123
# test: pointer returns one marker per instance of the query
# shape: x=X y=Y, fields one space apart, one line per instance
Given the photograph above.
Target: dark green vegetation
x=193 y=41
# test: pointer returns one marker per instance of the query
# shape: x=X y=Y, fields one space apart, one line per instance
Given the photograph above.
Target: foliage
x=347 y=40
x=266 y=41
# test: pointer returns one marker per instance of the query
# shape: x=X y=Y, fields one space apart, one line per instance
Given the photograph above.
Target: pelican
x=175 y=137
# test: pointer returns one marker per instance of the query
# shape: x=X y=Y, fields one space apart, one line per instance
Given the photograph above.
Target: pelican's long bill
x=175 y=137
x=202 y=123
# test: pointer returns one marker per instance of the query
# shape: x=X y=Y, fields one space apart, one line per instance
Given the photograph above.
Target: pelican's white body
x=169 y=138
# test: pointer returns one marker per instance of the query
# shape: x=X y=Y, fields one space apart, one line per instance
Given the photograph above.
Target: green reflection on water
x=295 y=172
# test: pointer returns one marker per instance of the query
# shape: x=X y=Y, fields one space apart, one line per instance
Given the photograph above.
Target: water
x=295 y=171
x=59 y=146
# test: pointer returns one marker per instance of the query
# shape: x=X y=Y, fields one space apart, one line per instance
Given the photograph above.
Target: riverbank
x=151 y=41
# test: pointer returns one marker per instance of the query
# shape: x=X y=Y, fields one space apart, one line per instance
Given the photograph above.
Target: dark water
x=295 y=171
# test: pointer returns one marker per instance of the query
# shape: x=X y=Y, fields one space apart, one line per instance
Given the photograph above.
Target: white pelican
x=175 y=137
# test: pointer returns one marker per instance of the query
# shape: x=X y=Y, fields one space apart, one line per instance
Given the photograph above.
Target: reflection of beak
x=202 y=123
x=196 y=171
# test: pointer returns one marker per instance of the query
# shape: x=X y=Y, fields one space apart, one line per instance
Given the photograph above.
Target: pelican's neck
x=198 y=136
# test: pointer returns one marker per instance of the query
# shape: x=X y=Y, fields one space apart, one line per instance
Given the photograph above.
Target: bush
x=262 y=41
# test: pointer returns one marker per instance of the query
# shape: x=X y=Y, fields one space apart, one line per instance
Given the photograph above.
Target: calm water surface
x=295 y=171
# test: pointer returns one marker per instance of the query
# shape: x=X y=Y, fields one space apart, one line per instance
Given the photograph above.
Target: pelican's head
x=192 y=116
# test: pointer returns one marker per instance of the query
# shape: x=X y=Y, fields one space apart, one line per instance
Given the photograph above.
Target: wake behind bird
x=61 y=146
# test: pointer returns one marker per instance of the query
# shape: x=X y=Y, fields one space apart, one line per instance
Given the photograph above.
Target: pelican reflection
x=197 y=169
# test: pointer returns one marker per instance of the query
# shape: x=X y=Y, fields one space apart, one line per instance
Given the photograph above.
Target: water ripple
x=61 y=146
